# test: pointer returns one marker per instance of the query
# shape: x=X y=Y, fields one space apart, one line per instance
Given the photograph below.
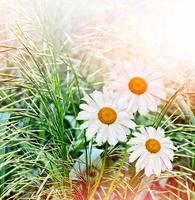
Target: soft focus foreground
x=54 y=53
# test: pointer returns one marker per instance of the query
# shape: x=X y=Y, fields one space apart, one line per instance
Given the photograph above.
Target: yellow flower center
x=107 y=115
x=153 y=145
x=138 y=85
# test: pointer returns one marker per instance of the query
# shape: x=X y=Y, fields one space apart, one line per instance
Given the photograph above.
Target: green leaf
x=3 y=120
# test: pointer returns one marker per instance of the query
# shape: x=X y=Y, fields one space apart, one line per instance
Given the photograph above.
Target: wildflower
x=141 y=86
x=106 y=116
x=152 y=150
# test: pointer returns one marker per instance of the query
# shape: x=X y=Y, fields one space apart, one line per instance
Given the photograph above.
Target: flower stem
x=100 y=174
x=87 y=162
x=111 y=188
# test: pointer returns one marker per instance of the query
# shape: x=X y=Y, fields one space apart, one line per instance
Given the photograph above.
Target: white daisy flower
x=141 y=86
x=153 y=150
x=104 y=114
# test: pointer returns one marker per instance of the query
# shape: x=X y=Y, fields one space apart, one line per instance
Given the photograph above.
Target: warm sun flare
x=169 y=28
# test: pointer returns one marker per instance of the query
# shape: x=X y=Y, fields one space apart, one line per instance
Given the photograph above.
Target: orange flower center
x=153 y=145
x=138 y=85
x=107 y=115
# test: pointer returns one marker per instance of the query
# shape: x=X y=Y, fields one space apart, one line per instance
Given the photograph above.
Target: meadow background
x=54 y=52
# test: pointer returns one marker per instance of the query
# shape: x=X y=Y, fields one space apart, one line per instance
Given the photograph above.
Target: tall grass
x=40 y=140
x=38 y=136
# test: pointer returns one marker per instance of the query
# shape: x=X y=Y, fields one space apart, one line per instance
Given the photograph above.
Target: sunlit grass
x=40 y=140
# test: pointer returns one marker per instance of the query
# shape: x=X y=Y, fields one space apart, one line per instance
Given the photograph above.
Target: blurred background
x=53 y=52
x=98 y=33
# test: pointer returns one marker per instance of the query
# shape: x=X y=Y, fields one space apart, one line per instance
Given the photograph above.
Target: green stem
x=111 y=188
x=100 y=174
x=87 y=162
